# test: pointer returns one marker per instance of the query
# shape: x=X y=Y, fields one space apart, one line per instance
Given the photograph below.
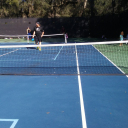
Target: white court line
x=58 y=53
x=11 y=120
x=84 y=124
x=8 y=53
x=108 y=59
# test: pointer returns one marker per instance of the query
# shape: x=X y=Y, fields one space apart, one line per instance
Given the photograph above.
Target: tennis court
x=64 y=85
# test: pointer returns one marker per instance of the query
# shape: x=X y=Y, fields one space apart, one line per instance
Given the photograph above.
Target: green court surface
x=48 y=40
x=51 y=40
x=116 y=54
x=11 y=40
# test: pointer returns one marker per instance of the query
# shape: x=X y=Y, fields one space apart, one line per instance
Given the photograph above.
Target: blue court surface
x=68 y=100
x=54 y=101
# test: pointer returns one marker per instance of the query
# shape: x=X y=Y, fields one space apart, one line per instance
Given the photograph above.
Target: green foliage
x=40 y=8
x=9 y=8
x=102 y=7
x=12 y=2
x=61 y=8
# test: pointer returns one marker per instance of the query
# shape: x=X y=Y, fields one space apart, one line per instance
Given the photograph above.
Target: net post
x=65 y=38
x=28 y=39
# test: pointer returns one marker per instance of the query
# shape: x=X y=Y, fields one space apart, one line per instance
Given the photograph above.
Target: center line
x=81 y=94
x=8 y=53
x=58 y=53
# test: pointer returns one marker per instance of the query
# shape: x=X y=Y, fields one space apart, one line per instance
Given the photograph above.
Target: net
x=27 y=39
x=96 y=58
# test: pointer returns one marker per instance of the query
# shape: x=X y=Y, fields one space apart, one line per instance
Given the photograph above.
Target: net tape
x=29 y=35
x=69 y=44
x=60 y=38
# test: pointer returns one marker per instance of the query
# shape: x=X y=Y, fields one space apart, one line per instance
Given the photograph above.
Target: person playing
x=38 y=34
x=121 y=38
x=28 y=30
x=28 y=33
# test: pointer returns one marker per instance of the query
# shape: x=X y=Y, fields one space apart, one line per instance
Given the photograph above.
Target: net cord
x=29 y=35
x=68 y=44
x=34 y=35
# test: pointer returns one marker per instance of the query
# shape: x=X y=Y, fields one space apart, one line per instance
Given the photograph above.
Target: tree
x=10 y=8
x=85 y=3
x=40 y=8
x=103 y=7
x=34 y=8
x=61 y=8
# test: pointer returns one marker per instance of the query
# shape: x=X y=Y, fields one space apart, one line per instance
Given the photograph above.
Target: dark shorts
x=29 y=36
x=38 y=39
